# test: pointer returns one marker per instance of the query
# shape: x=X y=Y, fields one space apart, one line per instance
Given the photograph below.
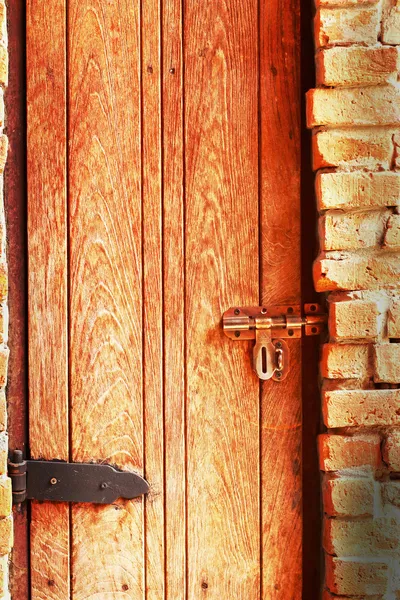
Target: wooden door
x=163 y=143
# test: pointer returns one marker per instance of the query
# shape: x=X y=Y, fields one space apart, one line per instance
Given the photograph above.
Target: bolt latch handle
x=270 y=327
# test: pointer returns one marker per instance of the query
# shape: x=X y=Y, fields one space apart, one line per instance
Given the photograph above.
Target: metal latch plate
x=282 y=321
x=269 y=326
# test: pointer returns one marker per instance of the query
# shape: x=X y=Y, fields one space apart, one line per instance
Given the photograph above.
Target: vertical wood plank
x=174 y=302
x=47 y=284
x=153 y=299
x=221 y=141
x=15 y=212
x=106 y=285
x=280 y=284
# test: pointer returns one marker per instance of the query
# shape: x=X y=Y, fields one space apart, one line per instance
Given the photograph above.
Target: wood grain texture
x=221 y=140
x=174 y=302
x=106 y=286
x=47 y=284
x=281 y=436
x=166 y=173
x=15 y=211
x=50 y=544
x=280 y=103
x=153 y=349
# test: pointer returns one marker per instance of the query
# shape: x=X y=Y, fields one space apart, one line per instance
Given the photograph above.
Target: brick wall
x=355 y=116
x=6 y=531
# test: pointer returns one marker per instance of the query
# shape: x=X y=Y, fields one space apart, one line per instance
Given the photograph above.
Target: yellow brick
x=4 y=355
x=355 y=319
x=356 y=271
x=3 y=22
x=357 y=189
x=357 y=65
x=5 y=497
x=391 y=450
x=336 y=3
x=3 y=576
x=366 y=148
x=387 y=363
x=3 y=152
x=391 y=491
x=6 y=535
x=3 y=324
x=3 y=411
x=346 y=361
x=3 y=281
x=394 y=319
x=365 y=537
x=359 y=106
x=338 y=452
x=391 y=26
x=3 y=65
x=392 y=233
x=348 y=496
x=347 y=25
x=354 y=408
x=352 y=230
x=3 y=452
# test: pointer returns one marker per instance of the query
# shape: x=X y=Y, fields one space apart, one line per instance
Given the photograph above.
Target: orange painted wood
x=221 y=151
x=174 y=302
x=106 y=286
x=281 y=434
x=183 y=129
x=153 y=350
x=47 y=284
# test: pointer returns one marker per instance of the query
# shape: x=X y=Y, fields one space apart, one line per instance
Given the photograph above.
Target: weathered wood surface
x=174 y=302
x=183 y=128
x=221 y=141
x=153 y=349
x=106 y=326
x=47 y=284
x=281 y=419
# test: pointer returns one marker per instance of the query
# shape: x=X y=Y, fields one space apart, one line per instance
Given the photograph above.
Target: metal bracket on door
x=269 y=326
x=56 y=481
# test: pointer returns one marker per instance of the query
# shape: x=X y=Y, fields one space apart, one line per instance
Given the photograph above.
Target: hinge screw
x=237 y=311
x=53 y=481
x=278 y=374
x=103 y=486
x=237 y=333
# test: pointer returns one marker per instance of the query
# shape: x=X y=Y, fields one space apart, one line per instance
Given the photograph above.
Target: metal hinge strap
x=57 y=481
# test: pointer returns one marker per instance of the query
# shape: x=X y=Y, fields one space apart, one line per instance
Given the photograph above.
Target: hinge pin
x=17 y=474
